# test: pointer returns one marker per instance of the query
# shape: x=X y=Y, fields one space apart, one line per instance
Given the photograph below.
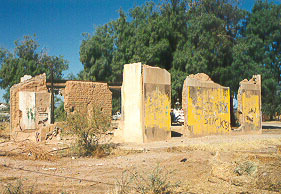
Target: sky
x=59 y=24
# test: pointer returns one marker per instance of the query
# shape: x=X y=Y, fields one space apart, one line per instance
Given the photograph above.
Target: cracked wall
x=206 y=106
x=146 y=103
x=249 y=104
x=29 y=108
x=30 y=103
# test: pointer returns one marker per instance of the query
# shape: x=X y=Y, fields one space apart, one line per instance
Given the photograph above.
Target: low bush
x=17 y=188
x=156 y=182
x=88 y=126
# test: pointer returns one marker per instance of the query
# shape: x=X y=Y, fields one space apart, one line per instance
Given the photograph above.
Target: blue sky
x=59 y=24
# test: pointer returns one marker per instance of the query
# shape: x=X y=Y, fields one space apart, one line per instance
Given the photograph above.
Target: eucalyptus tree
x=27 y=60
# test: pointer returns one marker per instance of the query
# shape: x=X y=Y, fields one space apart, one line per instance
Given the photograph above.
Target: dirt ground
x=212 y=164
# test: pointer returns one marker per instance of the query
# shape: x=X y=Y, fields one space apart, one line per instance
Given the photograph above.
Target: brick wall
x=80 y=94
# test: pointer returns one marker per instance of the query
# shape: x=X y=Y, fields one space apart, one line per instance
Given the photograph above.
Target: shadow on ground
x=271 y=127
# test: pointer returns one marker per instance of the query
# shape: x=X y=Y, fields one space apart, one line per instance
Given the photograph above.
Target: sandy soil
x=212 y=164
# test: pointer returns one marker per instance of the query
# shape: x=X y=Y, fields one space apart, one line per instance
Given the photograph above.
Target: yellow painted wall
x=208 y=110
x=157 y=111
x=251 y=110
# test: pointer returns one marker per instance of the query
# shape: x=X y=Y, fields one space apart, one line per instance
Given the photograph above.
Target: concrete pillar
x=146 y=103
x=132 y=103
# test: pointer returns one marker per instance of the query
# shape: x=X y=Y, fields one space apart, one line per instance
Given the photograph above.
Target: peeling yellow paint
x=208 y=110
x=157 y=110
x=251 y=109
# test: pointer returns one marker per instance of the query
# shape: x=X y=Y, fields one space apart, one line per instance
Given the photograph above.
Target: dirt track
x=213 y=164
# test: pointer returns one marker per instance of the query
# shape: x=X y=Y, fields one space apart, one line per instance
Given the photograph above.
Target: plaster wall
x=132 y=102
x=249 y=104
x=157 y=103
x=146 y=98
x=206 y=106
x=29 y=108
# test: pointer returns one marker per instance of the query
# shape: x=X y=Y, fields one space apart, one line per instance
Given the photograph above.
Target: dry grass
x=88 y=125
x=17 y=188
x=31 y=151
x=9 y=178
x=121 y=152
x=157 y=181
x=229 y=146
x=4 y=131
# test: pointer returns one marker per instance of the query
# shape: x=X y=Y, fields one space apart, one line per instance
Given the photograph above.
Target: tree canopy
x=27 y=60
x=215 y=37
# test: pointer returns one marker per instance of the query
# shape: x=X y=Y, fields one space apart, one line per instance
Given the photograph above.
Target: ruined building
x=30 y=103
x=249 y=104
x=206 y=106
x=29 y=108
x=84 y=94
x=146 y=103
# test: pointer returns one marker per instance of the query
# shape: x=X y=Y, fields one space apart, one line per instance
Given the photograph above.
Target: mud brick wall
x=146 y=103
x=82 y=94
x=206 y=106
x=29 y=104
x=249 y=104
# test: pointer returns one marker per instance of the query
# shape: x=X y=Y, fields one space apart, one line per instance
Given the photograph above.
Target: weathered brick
x=80 y=94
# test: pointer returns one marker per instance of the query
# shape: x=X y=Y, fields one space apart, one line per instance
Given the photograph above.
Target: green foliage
x=258 y=51
x=116 y=101
x=187 y=37
x=246 y=167
x=168 y=35
x=60 y=114
x=88 y=125
x=27 y=60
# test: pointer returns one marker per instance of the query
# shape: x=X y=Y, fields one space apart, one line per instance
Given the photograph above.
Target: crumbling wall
x=82 y=94
x=249 y=104
x=206 y=106
x=146 y=99
x=29 y=107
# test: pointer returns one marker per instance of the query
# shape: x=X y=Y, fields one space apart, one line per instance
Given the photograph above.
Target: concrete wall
x=132 y=103
x=157 y=100
x=81 y=94
x=29 y=108
x=146 y=103
x=206 y=106
x=249 y=104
